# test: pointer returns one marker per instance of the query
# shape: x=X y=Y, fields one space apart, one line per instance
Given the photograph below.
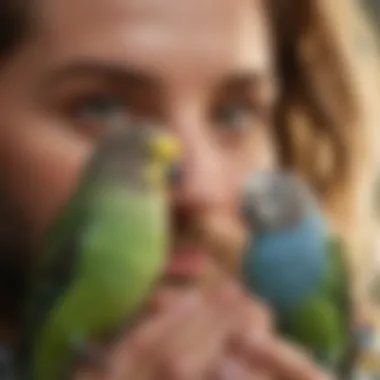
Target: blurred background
x=369 y=367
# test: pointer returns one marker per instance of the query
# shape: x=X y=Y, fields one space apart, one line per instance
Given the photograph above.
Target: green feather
x=122 y=254
x=322 y=323
x=317 y=325
x=101 y=258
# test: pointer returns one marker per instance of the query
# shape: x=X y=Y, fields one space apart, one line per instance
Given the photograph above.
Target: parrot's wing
x=323 y=322
x=338 y=284
x=337 y=281
x=62 y=233
x=55 y=274
x=316 y=326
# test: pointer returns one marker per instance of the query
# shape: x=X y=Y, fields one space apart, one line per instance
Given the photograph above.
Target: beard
x=15 y=260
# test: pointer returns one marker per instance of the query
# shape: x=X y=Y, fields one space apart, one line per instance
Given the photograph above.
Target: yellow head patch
x=164 y=148
x=165 y=151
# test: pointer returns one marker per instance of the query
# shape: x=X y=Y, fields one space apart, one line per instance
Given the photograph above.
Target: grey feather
x=275 y=200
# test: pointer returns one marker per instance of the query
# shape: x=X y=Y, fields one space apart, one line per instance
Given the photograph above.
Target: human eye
x=234 y=123
x=97 y=113
x=241 y=110
x=235 y=117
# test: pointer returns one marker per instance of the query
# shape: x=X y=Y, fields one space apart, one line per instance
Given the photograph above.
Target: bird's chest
x=285 y=268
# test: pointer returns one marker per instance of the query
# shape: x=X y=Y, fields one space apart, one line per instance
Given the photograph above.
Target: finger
x=165 y=298
x=233 y=368
x=256 y=321
x=256 y=317
x=130 y=357
x=283 y=359
x=193 y=351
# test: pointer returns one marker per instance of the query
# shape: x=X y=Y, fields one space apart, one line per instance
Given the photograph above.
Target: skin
x=180 y=64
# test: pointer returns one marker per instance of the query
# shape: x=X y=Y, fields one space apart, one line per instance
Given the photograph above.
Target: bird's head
x=274 y=200
x=139 y=157
x=164 y=154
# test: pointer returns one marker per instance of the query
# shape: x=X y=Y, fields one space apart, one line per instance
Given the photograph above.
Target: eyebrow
x=122 y=75
x=247 y=79
x=117 y=73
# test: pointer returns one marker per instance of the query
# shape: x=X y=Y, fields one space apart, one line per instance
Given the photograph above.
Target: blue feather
x=285 y=267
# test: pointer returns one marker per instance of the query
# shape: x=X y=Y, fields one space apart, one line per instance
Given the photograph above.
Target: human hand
x=271 y=359
x=219 y=336
x=257 y=353
x=183 y=339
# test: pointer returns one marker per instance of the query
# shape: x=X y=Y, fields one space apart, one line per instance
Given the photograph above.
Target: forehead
x=169 y=37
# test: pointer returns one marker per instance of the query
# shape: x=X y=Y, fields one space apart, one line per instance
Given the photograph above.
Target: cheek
x=255 y=152
x=40 y=166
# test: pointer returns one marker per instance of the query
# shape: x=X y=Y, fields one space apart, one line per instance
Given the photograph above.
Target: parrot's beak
x=165 y=148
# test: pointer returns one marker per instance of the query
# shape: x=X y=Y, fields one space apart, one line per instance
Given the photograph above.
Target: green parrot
x=103 y=254
x=296 y=264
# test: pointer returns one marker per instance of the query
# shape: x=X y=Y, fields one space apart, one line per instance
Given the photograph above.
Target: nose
x=199 y=183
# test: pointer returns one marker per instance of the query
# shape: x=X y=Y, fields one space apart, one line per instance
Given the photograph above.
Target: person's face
x=200 y=68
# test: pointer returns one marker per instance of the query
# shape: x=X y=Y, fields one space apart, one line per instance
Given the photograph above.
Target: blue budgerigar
x=295 y=263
